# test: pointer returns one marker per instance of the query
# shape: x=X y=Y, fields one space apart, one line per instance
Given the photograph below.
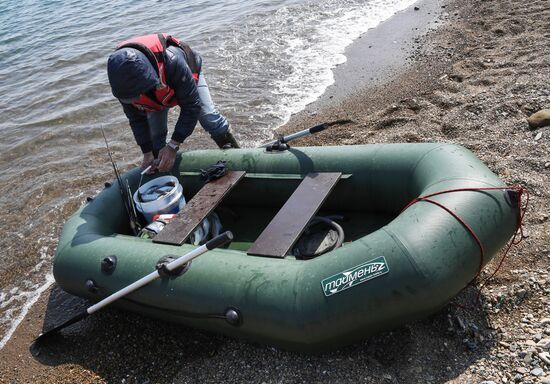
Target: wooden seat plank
x=289 y=223
x=200 y=206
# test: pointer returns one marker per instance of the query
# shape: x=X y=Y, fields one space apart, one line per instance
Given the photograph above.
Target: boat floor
x=247 y=223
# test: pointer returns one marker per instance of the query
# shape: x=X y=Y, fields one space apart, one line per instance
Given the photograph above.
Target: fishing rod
x=281 y=144
x=125 y=193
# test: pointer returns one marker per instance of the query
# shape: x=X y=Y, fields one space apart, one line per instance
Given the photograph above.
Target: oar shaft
x=214 y=243
x=123 y=292
x=292 y=136
x=148 y=279
x=305 y=132
x=297 y=135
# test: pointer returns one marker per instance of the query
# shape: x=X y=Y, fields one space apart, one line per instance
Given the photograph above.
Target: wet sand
x=472 y=81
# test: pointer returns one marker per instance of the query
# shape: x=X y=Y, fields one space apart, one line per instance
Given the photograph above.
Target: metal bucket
x=170 y=202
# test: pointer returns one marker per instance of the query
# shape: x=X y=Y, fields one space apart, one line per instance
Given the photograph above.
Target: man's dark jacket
x=131 y=74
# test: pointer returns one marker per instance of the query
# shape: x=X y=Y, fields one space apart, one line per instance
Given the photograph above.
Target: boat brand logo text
x=354 y=276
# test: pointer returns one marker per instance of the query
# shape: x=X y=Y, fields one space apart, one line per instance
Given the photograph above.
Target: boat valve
x=91 y=286
x=233 y=316
x=108 y=264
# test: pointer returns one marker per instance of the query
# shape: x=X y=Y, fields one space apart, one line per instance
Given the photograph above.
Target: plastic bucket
x=172 y=202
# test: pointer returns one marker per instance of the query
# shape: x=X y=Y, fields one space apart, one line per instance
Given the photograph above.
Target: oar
x=305 y=132
x=179 y=262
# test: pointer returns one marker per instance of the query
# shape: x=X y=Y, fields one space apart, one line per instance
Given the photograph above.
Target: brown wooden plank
x=200 y=206
x=289 y=223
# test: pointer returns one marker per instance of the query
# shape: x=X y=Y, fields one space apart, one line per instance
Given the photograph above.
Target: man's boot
x=226 y=141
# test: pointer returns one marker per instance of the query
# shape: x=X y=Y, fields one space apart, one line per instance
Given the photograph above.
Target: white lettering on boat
x=354 y=276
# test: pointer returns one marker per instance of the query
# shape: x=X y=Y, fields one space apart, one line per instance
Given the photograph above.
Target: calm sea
x=263 y=60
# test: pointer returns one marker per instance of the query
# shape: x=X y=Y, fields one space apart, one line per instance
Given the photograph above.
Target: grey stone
x=537 y=372
x=521 y=293
x=460 y=322
x=504 y=344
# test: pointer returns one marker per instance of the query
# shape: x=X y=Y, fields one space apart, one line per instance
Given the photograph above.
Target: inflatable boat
x=418 y=222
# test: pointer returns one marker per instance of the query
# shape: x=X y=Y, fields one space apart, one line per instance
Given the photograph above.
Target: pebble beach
x=471 y=74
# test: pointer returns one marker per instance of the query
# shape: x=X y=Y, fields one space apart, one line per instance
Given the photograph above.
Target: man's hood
x=130 y=73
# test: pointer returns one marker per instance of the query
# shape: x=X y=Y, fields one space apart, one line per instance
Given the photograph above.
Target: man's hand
x=167 y=157
x=149 y=160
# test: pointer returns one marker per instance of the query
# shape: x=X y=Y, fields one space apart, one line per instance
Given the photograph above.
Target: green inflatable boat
x=401 y=258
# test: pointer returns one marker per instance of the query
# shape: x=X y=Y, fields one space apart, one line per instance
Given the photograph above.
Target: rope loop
x=516 y=192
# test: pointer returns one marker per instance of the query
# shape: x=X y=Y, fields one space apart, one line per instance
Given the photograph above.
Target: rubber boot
x=226 y=141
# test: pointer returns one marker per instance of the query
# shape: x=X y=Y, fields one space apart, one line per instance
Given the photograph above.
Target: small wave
x=277 y=63
x=14 y=316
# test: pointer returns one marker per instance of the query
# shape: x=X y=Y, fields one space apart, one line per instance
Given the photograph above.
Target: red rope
x=516 y=239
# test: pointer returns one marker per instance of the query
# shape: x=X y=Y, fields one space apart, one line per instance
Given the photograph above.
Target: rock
x=460 y=323
x=416 y=8
x=488 y=382
x=538 y=136
x=537 y=372
x=470 y=344
x=544 y=344
x=545 y=357
x=539 y=119
x=521 y=293
x=545 y=380
x=546 y=320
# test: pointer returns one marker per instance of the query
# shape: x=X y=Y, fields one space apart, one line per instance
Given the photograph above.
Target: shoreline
x=456 y=90
x=379 y=54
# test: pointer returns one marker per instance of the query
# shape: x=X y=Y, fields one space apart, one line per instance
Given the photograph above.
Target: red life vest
x=154 y=47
